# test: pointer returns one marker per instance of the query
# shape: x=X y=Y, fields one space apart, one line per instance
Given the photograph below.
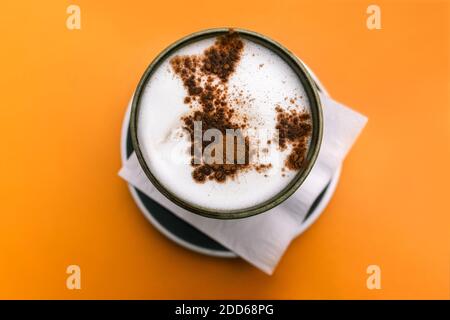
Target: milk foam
x=263 y=76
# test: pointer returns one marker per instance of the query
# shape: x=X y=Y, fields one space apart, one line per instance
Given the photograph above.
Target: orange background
x=64 y=94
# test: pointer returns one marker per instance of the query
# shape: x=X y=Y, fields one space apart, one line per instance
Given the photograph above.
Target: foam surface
x=267 y=80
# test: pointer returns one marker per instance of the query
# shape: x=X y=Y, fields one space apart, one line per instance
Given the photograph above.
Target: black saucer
x=183 y=233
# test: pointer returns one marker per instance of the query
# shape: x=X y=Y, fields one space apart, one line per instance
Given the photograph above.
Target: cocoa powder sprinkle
x=205 y=78
x=294 y=128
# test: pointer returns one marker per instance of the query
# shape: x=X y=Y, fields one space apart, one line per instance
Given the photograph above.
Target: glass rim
x=315 y=111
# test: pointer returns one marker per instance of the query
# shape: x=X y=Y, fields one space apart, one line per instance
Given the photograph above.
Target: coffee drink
x=224 y=123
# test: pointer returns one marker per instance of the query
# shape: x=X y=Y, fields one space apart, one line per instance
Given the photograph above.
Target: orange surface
x=64 y=94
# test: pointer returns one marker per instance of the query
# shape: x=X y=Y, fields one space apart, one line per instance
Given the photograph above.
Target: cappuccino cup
x=226 y=123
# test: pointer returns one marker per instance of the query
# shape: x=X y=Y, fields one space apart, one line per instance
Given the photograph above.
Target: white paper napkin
x=262 y=239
